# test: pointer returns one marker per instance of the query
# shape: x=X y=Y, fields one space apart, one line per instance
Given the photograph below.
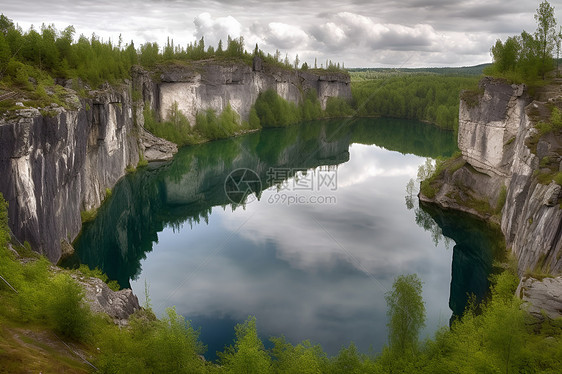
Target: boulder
x=119 y=305
x=541 y=297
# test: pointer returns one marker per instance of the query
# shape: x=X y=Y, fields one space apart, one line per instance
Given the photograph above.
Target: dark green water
x=311 y=258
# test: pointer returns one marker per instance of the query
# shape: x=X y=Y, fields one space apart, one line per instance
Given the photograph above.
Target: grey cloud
x=428 y=32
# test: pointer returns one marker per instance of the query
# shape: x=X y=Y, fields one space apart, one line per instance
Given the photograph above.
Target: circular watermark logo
x=242 y=186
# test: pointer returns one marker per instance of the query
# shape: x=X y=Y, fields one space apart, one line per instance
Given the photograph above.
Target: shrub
x=211 y=126
x=501 y=199
x=176 y=129
x=71 y=318
x=338 y=107
x=274 y=111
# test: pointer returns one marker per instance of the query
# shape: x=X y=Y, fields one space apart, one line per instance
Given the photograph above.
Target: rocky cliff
x=202 y=85
x=58 y=162
x=503 y=157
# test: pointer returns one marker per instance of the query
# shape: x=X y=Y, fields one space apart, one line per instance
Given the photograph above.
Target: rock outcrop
x=58 y=162
x=118 y=305
x=502 y=160
x=204 y=85
x=541 y=296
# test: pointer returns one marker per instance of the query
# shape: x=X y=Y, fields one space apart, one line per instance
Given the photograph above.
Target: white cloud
x=285 y=37
x=215 y=29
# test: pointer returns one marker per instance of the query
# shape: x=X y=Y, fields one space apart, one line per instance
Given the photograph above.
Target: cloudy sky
x=359 y=33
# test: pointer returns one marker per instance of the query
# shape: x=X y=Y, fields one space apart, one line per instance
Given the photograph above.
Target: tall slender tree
x=406 y=312
x=545 y=34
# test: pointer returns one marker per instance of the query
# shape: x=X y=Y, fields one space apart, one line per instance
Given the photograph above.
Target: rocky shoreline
x=497 y=179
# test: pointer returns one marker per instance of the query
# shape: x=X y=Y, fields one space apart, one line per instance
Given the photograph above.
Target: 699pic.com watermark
x=287 y=186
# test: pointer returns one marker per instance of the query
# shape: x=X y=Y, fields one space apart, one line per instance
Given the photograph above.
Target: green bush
x=97 y=273
x=210 y=126
x=152 y=346
x=70 y=316
x=310 y=106
x=338 y=107
x=274 y=111
x=175 y=129
x=247 y=355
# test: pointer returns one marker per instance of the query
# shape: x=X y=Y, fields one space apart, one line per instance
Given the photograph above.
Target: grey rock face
x=552 y=194
x=53 y=167
x=493 y=137
x=486 y=129
x=155 y=148
x=542 y=296
x=119 y=305
x=214 y=86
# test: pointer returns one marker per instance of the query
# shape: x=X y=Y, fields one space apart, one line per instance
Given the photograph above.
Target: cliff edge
x=505 y=173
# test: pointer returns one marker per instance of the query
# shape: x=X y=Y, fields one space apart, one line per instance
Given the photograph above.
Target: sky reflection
x=307 y=271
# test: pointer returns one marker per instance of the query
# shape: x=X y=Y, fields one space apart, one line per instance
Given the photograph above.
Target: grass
x=546 y=177
x=558 y=178
x=88 y=215
x=130 y=169
x=501 y=199
x=431 y=184
x=142 y=161
x=33 y=349
x=472 y=97
x=97 y=273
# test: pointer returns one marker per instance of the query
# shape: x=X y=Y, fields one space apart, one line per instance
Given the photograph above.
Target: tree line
x=46 y=52
x=430 y=98
x=528 y=57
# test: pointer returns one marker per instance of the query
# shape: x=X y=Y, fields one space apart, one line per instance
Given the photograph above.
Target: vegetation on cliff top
x=31 y=61
x=528 y=57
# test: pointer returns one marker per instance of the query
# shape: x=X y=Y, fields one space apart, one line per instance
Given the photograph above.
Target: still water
x=314 y=248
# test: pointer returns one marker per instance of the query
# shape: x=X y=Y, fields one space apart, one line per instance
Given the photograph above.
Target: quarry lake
x=313 y=255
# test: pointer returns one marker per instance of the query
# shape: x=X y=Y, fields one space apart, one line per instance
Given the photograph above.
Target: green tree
x=4 y=229
x=406 y=312
x=545 y=34
x=303 y=358
x=248 y=354
x=5 y=54
x=506 y=55
x=6 y=24
x=504 y=324
x=71 y=317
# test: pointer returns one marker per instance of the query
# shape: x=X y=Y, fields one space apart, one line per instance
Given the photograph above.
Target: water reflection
x=477 y=246
x=308 y=271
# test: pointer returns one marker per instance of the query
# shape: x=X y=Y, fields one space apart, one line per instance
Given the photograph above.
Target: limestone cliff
x=58 y=162
x=501 y=151
x=203 y=85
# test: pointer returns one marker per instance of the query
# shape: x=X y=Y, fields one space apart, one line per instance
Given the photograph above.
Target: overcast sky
x=359 y=33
